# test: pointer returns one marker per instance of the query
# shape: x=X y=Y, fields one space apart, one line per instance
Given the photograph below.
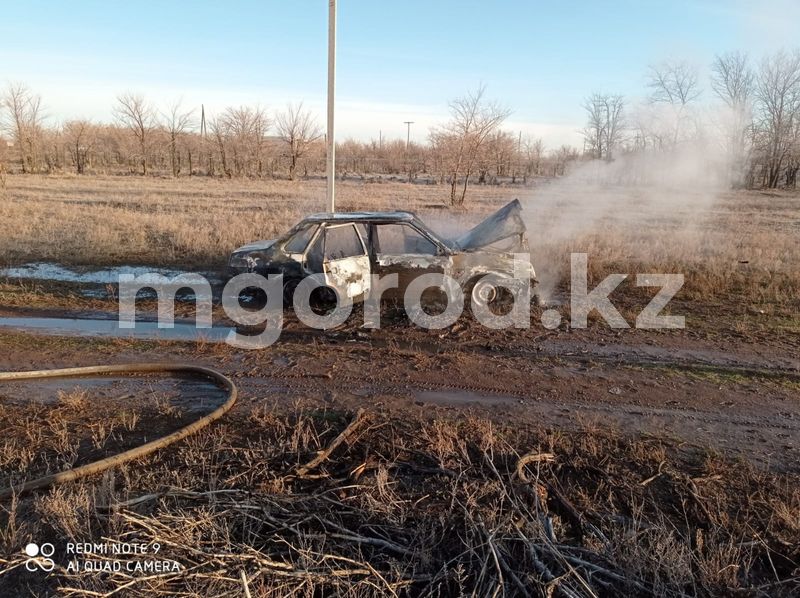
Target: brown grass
x=192 y=222
x=421 y=507
x=739 y=253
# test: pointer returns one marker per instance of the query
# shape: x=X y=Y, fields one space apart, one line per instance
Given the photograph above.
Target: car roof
x=395 y=216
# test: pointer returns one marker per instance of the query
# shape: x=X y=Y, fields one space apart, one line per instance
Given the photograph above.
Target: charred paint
x=487 y=248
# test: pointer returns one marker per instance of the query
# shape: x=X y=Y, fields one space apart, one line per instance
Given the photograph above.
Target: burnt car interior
x=346 y=248
x=402 y=238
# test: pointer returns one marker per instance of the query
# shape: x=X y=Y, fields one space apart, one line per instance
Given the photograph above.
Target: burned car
x=347 y=248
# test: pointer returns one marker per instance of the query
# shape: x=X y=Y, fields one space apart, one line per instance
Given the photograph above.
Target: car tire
x=289 y=287
x=481 y=294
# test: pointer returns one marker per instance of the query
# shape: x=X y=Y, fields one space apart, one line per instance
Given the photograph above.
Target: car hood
x=255 y=246
x=504 y=223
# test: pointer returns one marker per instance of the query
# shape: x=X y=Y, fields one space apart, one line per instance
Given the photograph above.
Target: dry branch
x=325 y=454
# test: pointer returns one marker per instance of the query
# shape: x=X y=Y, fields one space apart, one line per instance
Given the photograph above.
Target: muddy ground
x=674 y=473
x=740 y=398
x=717 y=401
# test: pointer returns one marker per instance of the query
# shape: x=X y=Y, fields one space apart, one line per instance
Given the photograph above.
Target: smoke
x=632 y=203
x=650 y=206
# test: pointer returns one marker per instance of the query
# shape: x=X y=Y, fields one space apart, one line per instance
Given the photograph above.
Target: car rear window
x=299 y=241
x=342 y=242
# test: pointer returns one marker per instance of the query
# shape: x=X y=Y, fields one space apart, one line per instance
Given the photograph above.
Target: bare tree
x=793 y=159
x=135 y=113
x=674 y=83
x=298 y=129
x=243 y=130
x=23 y=121
x=533 y=152
x=220 y=130
x=778 y=94
x=732 y=81
x=496 y=157
x=260 y=125
x=473 y=119
x=80 y=137
x=561 y=158
x=605 y=124
x=176 y=122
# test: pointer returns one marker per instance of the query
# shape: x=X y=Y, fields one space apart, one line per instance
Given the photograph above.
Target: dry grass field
x=516 y=462
x=191 y=222
x=738 y=250
x=420 y=506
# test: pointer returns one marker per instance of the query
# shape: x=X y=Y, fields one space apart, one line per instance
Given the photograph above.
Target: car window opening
x=342 y=242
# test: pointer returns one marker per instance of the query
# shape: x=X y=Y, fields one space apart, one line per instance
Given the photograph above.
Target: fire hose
x=138 y=452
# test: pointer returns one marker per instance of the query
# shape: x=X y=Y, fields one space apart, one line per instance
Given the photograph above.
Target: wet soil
x=718 y=384
x=743 y=401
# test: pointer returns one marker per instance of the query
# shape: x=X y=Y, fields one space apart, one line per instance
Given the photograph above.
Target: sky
x=396 y=61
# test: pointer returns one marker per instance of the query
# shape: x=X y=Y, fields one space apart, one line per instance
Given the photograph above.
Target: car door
x=402 y=249
x=345 y=260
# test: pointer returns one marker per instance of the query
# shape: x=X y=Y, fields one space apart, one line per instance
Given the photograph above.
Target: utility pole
x=408 y=124
x=331 y=166
x=204 y=137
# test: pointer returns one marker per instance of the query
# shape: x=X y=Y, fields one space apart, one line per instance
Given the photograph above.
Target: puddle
x=56 y=272
x=182 y=331
x=189 y=393
x=459 y=397
x=93 y=282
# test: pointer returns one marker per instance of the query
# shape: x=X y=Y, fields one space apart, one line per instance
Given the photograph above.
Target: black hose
x=134 y=453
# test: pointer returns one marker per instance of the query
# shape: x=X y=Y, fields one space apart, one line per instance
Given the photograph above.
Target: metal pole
x=408 y=124
x=331 y=170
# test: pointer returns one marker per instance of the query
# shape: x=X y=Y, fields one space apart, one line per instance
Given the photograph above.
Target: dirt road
x=743 y=403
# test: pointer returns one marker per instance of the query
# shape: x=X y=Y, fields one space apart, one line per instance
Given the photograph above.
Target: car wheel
x=483 y=294
x=322 y=300
x=289 y=288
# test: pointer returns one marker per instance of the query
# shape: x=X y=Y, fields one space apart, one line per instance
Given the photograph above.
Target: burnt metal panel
x=505 y=222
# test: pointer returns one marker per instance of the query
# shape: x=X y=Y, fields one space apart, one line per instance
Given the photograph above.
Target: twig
x=498 y=556
x=323 y=455
x=653 y=477
x=349 y=535
x=245 y=587
x=579 y=519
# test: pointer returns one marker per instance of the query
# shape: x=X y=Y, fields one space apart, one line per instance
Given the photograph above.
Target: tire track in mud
x=549 y=344
x=302 y=382
x=770 y=435
x=777 y=430
x=581 y=352
x=758 y=439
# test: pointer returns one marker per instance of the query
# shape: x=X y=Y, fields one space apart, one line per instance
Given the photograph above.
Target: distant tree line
x=242 y=141
x=249 y=141
x=754 y=127
x=752 y=123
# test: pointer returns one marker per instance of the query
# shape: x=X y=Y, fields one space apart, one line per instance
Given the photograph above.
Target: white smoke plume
x=638 y=195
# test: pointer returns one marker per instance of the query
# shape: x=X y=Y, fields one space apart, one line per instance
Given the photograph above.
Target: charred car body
x=347 y=248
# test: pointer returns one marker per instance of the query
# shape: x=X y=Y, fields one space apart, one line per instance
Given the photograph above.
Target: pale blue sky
x=397 y=61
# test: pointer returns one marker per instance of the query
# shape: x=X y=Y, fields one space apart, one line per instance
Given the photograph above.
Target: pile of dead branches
x=326 y=504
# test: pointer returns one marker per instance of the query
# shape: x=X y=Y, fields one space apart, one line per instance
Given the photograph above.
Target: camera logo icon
x=40 y=557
